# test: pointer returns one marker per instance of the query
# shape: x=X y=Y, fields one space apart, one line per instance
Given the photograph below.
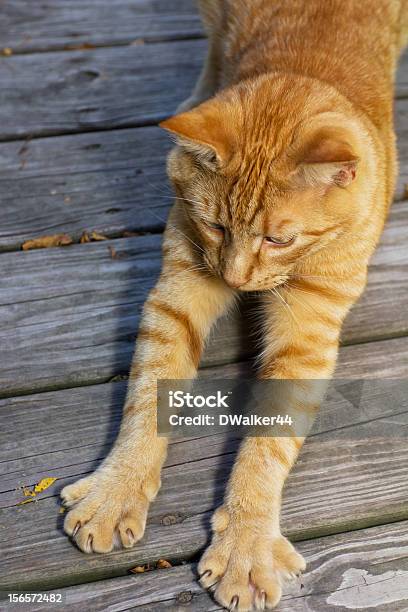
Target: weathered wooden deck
x=80 y=95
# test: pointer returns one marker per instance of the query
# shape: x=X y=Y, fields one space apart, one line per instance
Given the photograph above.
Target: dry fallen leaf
x=62 y=510
x=27 y=492
x=80 y=46
x=44 y=484
x=140 y=569
x=119 y=378
x=98 y=236
x=39 y=487
x=163 y=564
x=184 y=597
x=92 y=237
x=128 y=234
x=45 y=242
x=7 y=51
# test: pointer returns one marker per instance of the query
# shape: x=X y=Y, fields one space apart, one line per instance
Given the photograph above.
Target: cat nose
x=235 y=280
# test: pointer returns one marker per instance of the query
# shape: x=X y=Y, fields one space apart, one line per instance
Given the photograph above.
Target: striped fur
x=284 y=170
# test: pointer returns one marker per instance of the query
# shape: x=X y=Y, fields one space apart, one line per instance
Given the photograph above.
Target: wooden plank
x=365 y=569
x=58 y=427
x=64 y=435
x=78 y=91
x=387 y=266
x=69 y=316
x=401 y=127
x=336 y=486
x=96 y=89
x=28 y=26
x=75 y=284
x=108 y=181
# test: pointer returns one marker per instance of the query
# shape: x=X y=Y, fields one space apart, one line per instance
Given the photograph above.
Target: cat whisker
x=188 y=200
x=197 y=268
x=287 y=306
x=170 y=195
x=302 y=302
x=156 y=188
x=177 y=230
x=321 y=277
x=174 y=197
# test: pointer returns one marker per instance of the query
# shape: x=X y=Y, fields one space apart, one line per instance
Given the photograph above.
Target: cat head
x=266 y=177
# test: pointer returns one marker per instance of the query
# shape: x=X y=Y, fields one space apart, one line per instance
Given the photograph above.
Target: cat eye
x=215 y=226
x=279 y=242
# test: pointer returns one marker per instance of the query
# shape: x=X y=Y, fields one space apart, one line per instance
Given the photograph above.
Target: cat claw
x=263 y=600
x=212 y=586
x=131 y=536
x=234 y=603
x=89 y=542
x=76 y=529
x=204 y=575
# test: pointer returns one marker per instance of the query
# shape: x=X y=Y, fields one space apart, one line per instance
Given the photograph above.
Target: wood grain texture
x=69 y=431
x=106 y=181
x=70 y=315
x=63 y=287
x=336 y=487
x=28 y=26
x=352 y=473
x=95 y=89
x=104 y=88
x=347 y=571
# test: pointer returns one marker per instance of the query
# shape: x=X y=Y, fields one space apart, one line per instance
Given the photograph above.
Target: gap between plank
x=193 y=557
x=85 y=45
x=121 y=376
x=153 y=230
x=88 y=130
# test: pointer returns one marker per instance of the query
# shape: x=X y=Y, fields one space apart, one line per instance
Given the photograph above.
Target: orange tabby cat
x=284 y=172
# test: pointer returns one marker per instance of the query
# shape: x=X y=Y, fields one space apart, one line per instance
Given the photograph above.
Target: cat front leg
x=249 y=559
x=110 y=506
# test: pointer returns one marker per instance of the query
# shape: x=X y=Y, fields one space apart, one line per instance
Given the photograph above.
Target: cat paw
x=245 y=567
x=72 y=494
x=107 y=510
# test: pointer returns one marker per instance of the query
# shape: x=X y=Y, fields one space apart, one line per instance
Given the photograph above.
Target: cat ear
x=328 y=159
x=201 y=132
